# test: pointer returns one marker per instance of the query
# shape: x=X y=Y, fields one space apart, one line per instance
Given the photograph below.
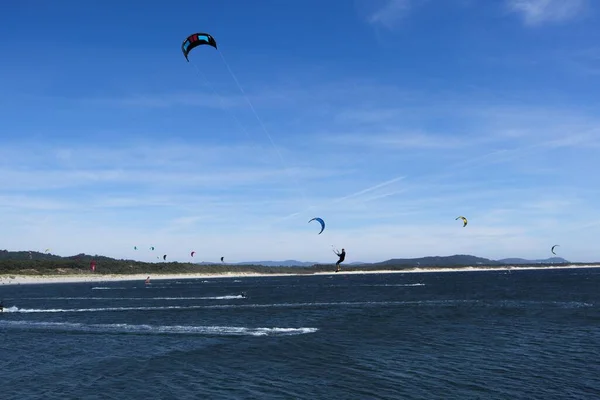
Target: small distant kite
x=465 y=222
x=192 y=253
x=164 y=257
x=195 y=40
x=93 y=265
x=151 y=247
x=222 y=259
x=320 y=220
x=552 y=249
x=135 y=247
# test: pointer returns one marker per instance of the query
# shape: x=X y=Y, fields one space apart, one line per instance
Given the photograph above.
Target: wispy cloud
x=477 y=123
x=199 y=99
x=175 y=100
x=389 y=13
x=333 y=201
x=370 y=189
x=235 y=177
x=231 y=185
x=537 y=12
x=399 y=140
x=585 y=139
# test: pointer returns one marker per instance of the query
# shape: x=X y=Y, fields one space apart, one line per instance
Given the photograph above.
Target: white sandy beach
x=40 y=279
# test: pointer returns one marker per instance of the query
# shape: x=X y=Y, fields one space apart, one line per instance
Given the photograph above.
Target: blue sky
x=388 y=119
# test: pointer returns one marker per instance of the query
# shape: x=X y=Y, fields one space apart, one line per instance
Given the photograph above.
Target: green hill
x=34 y=263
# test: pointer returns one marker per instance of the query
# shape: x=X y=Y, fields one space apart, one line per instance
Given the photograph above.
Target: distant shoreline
x=12 y=279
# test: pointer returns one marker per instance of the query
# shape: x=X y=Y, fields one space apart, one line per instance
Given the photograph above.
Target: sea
x=511 y=334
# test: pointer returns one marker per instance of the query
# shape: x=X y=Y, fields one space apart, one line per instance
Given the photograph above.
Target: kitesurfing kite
x=93 y=265
x=192 y=253
x=552 y=249
x=222 y=259
x=135 y=247
x=464 y=220
x=164 y=257
x=320 y=221
x=151 y=247
x=195 y=40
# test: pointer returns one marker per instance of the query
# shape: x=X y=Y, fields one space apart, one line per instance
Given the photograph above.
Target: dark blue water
x=458 y=335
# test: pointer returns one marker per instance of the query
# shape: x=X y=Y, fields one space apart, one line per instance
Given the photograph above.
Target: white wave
x=101 y=309
x=286 y=305
x=159 y=329
x=239 y=296
x=398 y=285
x=225 y=297
x=107 y=288
x=222 y=306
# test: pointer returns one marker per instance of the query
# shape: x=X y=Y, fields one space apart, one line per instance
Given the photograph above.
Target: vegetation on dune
x=36 y=263
x=128 y=267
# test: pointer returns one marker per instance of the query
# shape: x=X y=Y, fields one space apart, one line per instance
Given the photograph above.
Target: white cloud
x=34 y=180
x=370 y=189
x=389 y=13
x=177 y=100
x=536 y=12
x=199 y=99
x=157 y=164
x=588 y=140
x=399 y=140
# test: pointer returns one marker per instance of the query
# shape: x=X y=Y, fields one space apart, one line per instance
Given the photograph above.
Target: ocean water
x=454 y=335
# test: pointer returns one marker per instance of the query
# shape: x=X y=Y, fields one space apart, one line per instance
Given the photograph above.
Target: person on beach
x=341 y=256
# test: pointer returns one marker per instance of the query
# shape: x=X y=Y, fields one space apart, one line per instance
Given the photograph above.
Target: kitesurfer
x=1 y=306
x=342 y=256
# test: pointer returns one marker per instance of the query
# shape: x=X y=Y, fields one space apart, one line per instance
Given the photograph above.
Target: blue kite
x=320 y=221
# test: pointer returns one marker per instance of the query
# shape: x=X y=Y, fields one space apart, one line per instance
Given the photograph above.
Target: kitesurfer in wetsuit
x=1 y=306
x=342 y=256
